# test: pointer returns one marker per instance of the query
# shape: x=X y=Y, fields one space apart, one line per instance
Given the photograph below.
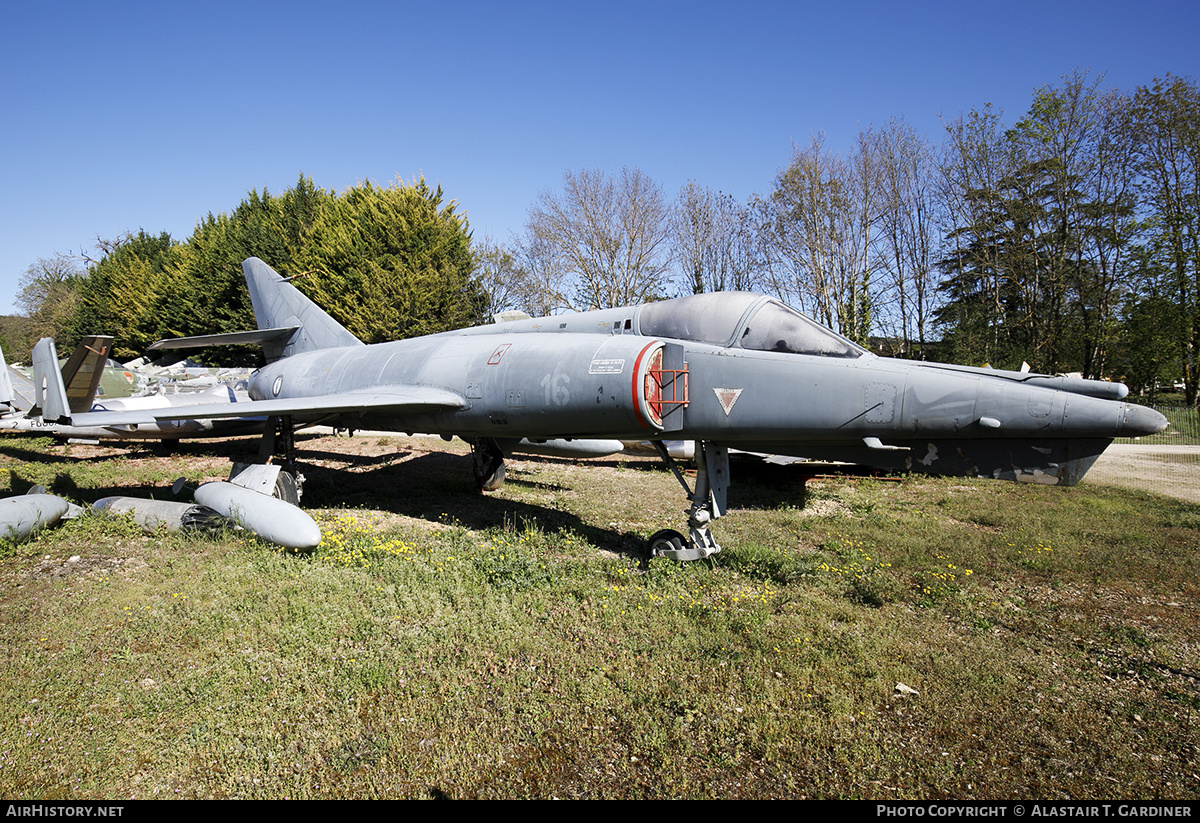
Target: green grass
x=444 y=644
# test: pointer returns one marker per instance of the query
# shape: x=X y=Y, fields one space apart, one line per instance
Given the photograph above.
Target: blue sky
x=124 y=115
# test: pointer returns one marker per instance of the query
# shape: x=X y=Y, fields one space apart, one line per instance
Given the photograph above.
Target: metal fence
x=1184 y=428
x=1166 y=463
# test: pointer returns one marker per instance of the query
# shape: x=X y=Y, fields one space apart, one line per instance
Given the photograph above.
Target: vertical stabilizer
x=50 y=395
x=7 y=395
x=82 y=372
x=279 y=304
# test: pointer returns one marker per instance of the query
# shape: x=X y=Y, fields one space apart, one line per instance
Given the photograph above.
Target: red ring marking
x=637 y=370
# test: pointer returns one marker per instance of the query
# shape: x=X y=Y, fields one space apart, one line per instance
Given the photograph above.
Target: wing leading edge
x=382 y=400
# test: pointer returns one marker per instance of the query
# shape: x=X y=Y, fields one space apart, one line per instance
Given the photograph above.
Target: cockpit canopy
x=745 y=320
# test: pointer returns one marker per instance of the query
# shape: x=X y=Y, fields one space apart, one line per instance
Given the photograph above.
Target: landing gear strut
x=708 y=504
x=278 y=438
x=278 y=441
x=488 y=463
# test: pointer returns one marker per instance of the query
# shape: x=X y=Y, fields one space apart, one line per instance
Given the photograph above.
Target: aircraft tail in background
x=49 y=392
x=82 y=372
x=279 y=304
x=288 y=322
x=7 y=395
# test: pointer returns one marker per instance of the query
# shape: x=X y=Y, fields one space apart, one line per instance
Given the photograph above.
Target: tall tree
x=1041 y=219
x=549 y=286
x=818 y=219
x=602 y=241
x=392 y=262
x=500 y=276
x=715 y=243
x=121 y=293
x=1150 y=350
x=388 y=262
x=202 y=288
x=1167 y=118
x=974 y=161
x=1077 y=141
x=49 y=296
x=906 y=232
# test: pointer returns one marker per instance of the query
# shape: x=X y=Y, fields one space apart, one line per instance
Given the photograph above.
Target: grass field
x=445 y=644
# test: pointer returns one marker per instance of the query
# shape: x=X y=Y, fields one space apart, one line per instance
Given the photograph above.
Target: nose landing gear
x=708 y=504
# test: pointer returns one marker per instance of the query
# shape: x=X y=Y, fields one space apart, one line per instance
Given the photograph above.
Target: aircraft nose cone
x=1139 y=421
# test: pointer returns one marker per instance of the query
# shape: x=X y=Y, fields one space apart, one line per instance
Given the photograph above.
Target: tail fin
x=7 y=395
x=279 y=304
x=50 y=395
x=83 y=371
x=16 y=388
x=288 y=322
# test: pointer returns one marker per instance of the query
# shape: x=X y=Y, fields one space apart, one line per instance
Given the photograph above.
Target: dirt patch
x=1173 y=471
x=823 y=508
x=57 y=568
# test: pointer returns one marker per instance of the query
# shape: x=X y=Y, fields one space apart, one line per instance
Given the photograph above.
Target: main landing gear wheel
x=488 y=464
x=665 y=542
x=287 y=488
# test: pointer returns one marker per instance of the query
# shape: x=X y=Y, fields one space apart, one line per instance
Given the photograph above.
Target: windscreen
x=775 y=327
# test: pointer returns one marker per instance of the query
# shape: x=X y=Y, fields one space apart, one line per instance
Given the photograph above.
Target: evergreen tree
x=1043 y=220
x=392 y=262
x=119 y=295
x=388 y=262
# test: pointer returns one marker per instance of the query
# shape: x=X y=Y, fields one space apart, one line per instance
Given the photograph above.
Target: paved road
x=1169 y=470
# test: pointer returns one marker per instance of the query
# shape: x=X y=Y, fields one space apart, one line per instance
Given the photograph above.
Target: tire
x=667 y=540
x=494 y=480
x=286 y=488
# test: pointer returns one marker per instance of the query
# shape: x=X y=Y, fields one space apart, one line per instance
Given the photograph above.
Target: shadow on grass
x=48 y=450
x=439 y=488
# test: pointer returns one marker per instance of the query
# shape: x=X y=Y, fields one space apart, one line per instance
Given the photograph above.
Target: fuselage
x=592 y=374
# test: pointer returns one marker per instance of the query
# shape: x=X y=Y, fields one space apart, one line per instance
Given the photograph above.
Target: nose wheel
x=666 y=543
x=708 y=504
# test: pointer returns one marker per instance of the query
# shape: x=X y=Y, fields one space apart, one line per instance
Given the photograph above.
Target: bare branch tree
x=501 y=277
x=819 y=221
x=49 y=293
x=602 y=242
x=906 y=235
x=106 y=247
x=715 y=244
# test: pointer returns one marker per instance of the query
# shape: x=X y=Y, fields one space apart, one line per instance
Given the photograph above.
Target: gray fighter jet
x=728 y=370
